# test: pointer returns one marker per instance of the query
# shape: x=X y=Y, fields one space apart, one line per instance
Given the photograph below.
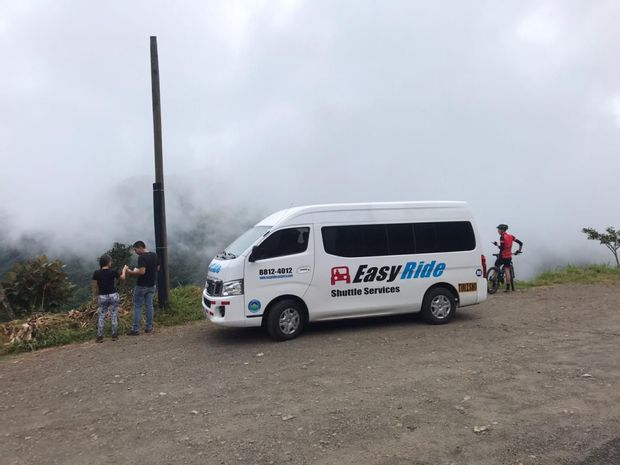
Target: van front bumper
x=225 y=311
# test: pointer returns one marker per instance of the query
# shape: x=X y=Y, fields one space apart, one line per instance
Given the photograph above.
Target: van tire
x=285 y=320
x=439 y=306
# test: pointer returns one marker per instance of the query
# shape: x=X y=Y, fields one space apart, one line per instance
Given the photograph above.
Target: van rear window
x=368 y=240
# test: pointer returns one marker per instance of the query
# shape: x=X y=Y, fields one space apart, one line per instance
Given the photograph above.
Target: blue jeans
x=108 y=302
x=142 y=294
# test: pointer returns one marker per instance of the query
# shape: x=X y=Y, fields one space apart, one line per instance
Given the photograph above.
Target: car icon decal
x=340 y=273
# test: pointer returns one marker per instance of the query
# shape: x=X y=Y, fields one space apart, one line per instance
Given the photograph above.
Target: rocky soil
x=526 y=378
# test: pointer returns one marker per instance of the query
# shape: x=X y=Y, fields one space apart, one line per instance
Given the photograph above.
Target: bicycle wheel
x=492 y=280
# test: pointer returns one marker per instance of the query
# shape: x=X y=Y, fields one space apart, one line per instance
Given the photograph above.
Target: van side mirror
x=252 y=257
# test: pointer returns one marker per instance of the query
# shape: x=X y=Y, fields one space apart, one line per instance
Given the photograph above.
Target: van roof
x=290 y=213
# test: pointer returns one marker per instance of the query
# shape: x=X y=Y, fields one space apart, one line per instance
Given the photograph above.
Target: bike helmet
x=502 y=227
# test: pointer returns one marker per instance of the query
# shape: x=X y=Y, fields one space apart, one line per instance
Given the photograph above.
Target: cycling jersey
x=505 y=245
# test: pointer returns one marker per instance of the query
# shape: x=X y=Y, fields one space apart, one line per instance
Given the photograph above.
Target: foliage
x=610 y=239
x=6 y=312
x=572 y=274
x=36 y=285
x=121 y=255
x=184 y=307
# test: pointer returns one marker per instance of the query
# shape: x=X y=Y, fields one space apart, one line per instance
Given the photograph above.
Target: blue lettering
x=428 y=268
x=439 y=270
x=408 y=271
x=417 y=272
x=215 y=268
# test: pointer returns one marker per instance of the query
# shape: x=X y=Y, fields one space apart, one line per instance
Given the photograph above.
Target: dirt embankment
x=527 y=378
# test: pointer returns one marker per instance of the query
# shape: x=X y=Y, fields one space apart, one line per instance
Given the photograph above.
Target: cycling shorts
x=503 y=261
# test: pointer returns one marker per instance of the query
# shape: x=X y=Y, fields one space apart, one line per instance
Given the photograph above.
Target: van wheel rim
x=289 y=321
x=440 y=307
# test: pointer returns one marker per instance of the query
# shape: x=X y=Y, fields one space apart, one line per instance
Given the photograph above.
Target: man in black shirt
x=148 y=266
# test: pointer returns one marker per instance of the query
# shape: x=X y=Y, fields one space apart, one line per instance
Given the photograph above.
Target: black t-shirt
x=148 y=261
x=106 y=281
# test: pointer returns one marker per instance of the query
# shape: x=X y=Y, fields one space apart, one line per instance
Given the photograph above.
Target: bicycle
x=495 y=276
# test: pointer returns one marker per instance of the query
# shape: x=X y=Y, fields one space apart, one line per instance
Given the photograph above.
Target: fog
x=512 y=106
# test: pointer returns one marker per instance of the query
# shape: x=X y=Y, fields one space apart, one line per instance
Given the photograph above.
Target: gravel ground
x=525 y=378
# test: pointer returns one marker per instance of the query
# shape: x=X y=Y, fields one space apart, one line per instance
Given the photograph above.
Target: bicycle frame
x=497 y=280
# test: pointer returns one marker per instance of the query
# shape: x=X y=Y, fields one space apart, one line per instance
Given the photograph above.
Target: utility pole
x=159 y=204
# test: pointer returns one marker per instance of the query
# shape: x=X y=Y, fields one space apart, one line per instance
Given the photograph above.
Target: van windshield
x=243 y=242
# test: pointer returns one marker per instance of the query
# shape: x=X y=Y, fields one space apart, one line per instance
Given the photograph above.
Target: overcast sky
x=513 y=106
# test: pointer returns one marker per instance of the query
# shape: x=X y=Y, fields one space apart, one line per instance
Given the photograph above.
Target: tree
x=121 y=255
x=36 y=285
x=6 y=312
x=610 y=239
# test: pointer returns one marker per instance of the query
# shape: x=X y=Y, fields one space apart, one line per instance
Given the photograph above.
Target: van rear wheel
x=439 y=306
x=285 y=320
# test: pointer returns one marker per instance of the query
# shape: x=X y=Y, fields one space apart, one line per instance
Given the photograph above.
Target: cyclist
x=505 y=251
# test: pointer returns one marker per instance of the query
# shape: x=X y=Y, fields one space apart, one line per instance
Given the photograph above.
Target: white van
x=324 y=262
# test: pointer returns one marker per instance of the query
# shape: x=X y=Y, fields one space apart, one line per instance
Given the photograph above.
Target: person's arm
x=95 y=287
x=139 y=270
x=520 y=246
x=136 y=271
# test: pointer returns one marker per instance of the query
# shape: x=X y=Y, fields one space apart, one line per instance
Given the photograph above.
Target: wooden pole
x=159 y=204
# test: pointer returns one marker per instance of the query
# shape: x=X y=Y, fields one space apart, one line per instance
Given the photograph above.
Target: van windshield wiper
x=225 y=254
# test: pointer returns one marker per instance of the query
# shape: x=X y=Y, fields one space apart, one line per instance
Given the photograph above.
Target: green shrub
x=37 y=284
x=120 y=254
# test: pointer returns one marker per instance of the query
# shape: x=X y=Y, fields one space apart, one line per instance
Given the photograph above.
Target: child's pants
x=108 y=301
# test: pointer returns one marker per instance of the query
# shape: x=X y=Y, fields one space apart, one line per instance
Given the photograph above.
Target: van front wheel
x=285 y=320
x=439 y=306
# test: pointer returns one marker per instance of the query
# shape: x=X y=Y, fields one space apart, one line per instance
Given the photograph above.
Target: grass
x=184 y=306
x=572 y=274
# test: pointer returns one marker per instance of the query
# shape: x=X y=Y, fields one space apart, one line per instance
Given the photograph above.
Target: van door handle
x=303 y=269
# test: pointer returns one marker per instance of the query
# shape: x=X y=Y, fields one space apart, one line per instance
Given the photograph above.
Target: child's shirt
x=106 y=281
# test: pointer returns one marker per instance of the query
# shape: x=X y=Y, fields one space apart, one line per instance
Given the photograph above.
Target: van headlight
x=232 y=288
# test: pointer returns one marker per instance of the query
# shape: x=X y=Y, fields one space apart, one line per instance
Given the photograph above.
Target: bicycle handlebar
x=497 y=255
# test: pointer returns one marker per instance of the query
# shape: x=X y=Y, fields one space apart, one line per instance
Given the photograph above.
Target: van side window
x=400 y=237
x=355 y=241
x=371 y=240
x=448 y=236
x=425 y=238
x=283 y=242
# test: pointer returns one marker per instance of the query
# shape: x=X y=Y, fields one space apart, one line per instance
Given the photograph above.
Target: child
x=106 y=292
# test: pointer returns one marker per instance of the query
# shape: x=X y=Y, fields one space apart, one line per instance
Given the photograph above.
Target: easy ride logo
x=387 y=274
x=215 y=268
x=341 y=273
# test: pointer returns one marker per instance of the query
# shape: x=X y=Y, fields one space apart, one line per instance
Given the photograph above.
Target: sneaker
x=115 y=337
x=133 y=333
x=99 y=339
x=147 y=331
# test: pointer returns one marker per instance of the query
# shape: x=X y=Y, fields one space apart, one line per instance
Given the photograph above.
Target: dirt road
x=529 y=378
